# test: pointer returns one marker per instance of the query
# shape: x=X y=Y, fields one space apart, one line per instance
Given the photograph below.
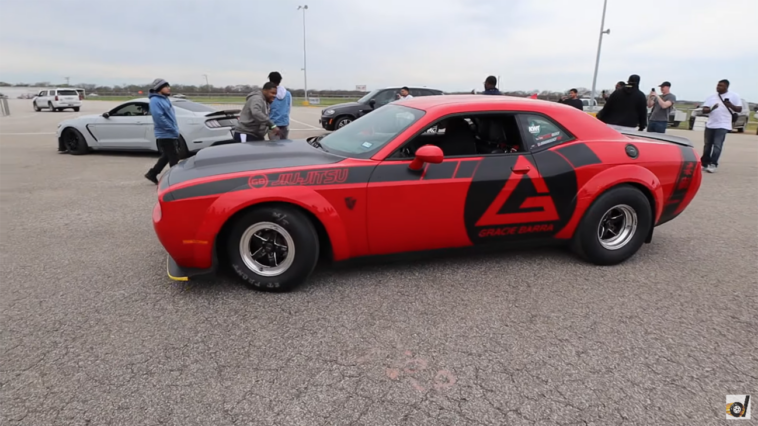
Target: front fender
x=607 y=179
x=225 y=206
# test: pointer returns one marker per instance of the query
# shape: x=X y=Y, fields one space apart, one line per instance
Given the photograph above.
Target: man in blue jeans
x=719 y=108
x=165 y=126
x=662 y=105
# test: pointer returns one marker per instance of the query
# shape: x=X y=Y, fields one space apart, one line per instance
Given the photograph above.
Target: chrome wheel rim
x=267 y=249
x=617 y=227
x=344 y=122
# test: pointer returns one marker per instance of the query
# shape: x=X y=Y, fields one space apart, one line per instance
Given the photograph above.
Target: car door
x=41 y=100
x=464 y=200
x=124 y=128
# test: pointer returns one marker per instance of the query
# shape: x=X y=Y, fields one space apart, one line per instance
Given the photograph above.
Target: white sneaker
x=711 y=168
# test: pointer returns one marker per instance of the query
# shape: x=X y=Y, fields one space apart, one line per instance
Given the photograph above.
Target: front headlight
x=329 y=112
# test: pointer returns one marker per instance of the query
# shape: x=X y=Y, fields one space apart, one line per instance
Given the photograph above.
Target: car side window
x=418 y=92
x=132 y=109
x=470 y=134
x=43 y=93
x=384 y=97
x=540 y=131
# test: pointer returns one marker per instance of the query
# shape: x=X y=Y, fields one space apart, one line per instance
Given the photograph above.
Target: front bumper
x=327 y=122
x=178 y=273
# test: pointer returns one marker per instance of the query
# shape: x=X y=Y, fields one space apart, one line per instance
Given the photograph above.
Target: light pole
x=599 y=45
x=305 y=67
x=207 y=85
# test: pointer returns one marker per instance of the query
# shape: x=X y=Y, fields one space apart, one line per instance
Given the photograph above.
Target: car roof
x=432 y=102
x=147 y=100
x=410 y=87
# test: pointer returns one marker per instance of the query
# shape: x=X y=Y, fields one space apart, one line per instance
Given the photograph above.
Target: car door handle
x=521 y=169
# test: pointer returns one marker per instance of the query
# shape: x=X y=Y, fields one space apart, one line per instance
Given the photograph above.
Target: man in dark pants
x=719 y=108
x=165 y=126
x=573 y=100
x=254 y=121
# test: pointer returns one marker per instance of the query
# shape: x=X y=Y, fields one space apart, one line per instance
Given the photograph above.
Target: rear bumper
x=179 y=273
x=74 y=104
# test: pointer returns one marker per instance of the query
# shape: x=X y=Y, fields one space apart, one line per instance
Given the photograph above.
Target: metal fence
x=4 y=108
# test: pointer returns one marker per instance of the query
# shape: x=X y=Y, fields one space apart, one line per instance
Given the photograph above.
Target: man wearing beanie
x=166 y=127
x=626 y=107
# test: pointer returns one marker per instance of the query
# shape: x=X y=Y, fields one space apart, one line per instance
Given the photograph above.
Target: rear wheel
x=76 y=109
x=742 y=129
x=74 y=141
x=50 y=105
x=273 y=248
x=614 y=227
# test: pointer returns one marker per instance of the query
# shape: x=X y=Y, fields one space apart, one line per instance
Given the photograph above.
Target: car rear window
x=68 y=93
x=193 y=106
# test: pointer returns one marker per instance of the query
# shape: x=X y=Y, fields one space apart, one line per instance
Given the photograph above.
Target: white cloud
x=453 y=45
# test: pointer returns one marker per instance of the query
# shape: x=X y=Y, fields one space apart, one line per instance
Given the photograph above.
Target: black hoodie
x=625 y=107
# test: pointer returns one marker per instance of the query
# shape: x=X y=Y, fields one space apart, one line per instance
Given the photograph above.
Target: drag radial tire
x=273 y=248
x=614 y=227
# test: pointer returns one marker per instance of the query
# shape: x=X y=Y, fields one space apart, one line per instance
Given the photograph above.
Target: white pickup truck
x=740 y=125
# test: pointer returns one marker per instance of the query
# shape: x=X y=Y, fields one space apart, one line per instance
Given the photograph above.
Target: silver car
x=129 y=127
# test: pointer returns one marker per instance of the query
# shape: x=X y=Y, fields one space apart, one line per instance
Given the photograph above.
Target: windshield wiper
x=314 y=141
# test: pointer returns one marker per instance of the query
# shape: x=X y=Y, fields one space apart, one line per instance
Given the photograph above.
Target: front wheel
x=75 y=142
x=614 y=227
x=342 y=122
x=36 y=107
x=273 y=248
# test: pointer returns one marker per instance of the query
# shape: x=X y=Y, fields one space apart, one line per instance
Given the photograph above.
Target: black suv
x=339 y=115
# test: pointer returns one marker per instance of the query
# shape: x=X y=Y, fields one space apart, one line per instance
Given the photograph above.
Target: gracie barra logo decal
x=513 y=206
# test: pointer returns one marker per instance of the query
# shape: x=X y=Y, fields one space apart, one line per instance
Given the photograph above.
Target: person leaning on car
x=165 y=127
x=626 y=107
x=661 y=105
x=254 y=122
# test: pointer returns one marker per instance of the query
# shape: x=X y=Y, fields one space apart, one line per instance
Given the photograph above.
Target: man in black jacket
x=626 y=107
x=573 y=100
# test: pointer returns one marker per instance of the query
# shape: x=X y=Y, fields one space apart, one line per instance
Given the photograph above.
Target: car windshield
x=193 y=106
x=365 y=136
x=365 y=99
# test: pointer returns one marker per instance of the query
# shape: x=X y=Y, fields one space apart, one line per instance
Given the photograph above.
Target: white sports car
x=129 y=127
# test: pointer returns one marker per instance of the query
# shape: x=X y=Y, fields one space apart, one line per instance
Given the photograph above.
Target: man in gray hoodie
x=254 y=121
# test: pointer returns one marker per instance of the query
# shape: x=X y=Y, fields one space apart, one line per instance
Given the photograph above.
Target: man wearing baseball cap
x=165 y=126
x=662 y=105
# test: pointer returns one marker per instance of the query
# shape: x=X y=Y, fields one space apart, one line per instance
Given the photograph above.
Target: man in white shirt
x=405 y=93
x=719 y=108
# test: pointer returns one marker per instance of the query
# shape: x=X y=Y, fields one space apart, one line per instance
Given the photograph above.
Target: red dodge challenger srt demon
x=429 y=173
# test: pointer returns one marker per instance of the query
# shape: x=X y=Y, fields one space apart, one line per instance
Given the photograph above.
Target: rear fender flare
x=227 y=205
x=617 y=175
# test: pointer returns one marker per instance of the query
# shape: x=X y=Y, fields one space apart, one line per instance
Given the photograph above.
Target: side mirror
x=106 y=115
x=426 y=154
x=372 y=103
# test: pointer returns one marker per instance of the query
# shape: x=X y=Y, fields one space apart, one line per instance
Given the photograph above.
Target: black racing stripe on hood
x=250 y=156
x=317 y=177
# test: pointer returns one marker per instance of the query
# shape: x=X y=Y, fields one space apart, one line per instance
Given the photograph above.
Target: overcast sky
x=447 y=44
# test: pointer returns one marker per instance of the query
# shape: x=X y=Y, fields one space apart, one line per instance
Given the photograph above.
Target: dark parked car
x=339 y=115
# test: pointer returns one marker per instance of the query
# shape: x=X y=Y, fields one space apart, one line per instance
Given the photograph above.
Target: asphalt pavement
x=94 y=333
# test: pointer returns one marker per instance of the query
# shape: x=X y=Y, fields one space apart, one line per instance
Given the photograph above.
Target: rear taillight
x=81 y=97
x=222 y=122
x=56 y=97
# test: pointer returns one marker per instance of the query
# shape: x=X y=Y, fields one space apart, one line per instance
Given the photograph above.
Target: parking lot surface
x=94 y=333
